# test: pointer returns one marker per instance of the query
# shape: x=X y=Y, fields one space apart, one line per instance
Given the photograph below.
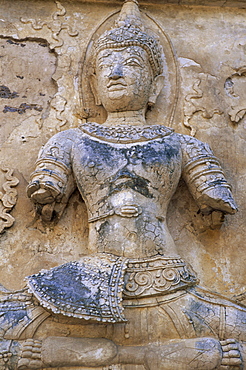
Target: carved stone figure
x=126 y=172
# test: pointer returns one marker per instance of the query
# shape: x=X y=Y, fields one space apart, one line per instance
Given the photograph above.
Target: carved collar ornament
x=125 y=133
x=129 y=31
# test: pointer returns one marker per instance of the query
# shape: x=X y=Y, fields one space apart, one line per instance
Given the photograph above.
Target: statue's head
x=128 y=64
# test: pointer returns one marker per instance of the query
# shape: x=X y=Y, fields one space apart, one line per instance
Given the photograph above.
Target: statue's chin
x=121 y=103
x=117 y=95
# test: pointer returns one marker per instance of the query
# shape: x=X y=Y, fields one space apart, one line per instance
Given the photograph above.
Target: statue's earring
x=155 y=89
x=94 y=88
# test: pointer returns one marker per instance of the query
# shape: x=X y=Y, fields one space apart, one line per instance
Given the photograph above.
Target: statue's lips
x=112 y=86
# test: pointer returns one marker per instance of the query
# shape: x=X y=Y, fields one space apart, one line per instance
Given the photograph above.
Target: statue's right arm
x=52 y=181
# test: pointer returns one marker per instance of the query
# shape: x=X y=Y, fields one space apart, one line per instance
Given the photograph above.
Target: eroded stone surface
x=44 y=97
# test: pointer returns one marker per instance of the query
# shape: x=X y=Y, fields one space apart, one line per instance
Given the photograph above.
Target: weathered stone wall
x=42 y=48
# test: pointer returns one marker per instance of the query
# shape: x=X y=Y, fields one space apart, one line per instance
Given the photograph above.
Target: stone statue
x=126 y=172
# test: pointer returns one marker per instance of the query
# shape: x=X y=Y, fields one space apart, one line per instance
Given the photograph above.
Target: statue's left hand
x=219 y=199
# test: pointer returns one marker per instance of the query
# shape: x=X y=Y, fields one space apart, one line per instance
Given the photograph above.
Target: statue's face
x=124 y=78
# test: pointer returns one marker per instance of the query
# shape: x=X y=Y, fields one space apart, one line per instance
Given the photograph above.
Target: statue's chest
x=96 y=162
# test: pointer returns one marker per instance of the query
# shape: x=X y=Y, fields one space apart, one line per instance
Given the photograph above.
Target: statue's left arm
x=205 y=178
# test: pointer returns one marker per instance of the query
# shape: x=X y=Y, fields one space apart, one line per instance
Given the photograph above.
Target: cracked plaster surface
x=211 y=106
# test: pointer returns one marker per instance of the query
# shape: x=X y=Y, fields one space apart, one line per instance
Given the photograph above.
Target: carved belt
x=157 y=276
x=123 y=211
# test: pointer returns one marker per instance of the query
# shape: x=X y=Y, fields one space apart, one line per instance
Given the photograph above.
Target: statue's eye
x=133 y=62
x=103 y=66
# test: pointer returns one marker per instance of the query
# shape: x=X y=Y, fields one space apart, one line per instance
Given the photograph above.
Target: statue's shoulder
x=64 y=139
x=191 y=145
x=60 y=145
x=71 y=133
x=187 y=139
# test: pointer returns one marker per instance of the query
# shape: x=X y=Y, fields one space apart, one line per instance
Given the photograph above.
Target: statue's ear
x=94 y=88
x=155 y=89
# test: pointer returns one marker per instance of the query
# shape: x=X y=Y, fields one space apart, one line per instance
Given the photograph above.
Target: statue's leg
x=200 y=313
x=191 y=354
x=20 y=314
x=182 y=354
x=66 y=352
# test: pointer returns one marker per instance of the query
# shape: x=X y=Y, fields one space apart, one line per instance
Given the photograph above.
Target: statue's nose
x=116 y=72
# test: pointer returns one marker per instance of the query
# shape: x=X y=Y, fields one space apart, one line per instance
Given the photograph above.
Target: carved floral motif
x=56 y=25
x=236 y=95
x=157 y=276
x=200 y=100
x=8 y=199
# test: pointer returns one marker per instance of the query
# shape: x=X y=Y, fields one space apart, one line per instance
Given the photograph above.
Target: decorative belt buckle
x=128 y=211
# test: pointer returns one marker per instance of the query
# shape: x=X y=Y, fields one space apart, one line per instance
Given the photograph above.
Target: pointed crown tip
x=132 y=1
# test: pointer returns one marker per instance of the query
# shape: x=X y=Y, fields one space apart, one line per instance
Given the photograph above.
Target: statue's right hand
x=42 y=196
x=46 y=200
x=42 y=193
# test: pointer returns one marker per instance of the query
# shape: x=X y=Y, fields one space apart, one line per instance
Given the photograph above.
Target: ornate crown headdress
x=129 y=31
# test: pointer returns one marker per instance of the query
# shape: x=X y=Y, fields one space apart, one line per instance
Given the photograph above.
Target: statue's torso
x=127 y=188
x=127 y=176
